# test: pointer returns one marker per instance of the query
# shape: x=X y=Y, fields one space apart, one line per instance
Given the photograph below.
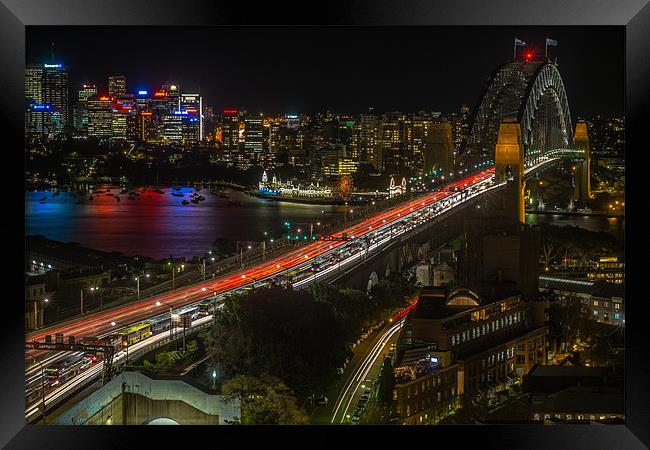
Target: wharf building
x=455 y=342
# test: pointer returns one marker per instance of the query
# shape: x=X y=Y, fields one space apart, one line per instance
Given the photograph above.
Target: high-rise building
x=100 y=120
x=230 y=133
x=40 y=120
x=145 y=127
x=193 y=104
x=439 y=149
x=254 y=137
x=34 y=84
x=394 y=134
x=367 y=140
x=172 y=128
x=116 y=85
x=55 y=92
x=80 y=119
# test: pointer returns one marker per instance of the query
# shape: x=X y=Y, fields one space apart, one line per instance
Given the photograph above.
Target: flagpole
x=546 y=49
x=514 y=51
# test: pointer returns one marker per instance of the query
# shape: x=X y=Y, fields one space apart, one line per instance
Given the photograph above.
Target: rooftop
x=581 y=400
x=597 y=288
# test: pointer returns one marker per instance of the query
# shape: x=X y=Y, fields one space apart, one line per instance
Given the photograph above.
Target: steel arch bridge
x=532 y=93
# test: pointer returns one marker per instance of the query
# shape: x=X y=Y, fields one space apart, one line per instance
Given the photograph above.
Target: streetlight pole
x=203 y=269
x=126 y=361
x=45 y=300
x=137 y=280
x=81 y=294
x=38 y=360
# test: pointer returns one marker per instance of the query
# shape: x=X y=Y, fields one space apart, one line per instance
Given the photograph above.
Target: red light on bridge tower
x=529 y=55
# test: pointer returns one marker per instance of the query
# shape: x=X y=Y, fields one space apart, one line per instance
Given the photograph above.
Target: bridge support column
x=582 y=171
x=509 y=162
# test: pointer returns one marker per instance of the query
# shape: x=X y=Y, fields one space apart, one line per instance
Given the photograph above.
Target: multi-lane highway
x=101 y=322
x=300 y=266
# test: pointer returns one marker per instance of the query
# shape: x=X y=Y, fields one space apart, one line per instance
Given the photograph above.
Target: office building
x=193 y=105
x=100 y=120
x=80 y=119
x=230 y=131
x=34 y=84
x=116 y=86
x=55 y=93
x=439 y=149
x=366 y=138
x=254 y=137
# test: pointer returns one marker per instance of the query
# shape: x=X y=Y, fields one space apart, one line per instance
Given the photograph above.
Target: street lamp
x=214 y=379
x=45 y=300
x=126 y=361
x=38 y=360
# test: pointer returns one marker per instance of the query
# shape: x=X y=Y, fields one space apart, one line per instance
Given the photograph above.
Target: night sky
x=345 y=70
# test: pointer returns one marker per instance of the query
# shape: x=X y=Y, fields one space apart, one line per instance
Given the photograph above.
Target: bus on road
x=136 y=333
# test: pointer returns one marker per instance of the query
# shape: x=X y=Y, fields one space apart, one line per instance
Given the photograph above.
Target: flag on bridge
x=552 y=42
x=518 y=42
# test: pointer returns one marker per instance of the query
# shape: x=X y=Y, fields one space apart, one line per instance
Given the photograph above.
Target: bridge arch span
x=534 y=94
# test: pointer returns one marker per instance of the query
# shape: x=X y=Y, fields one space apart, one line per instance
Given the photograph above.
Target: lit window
x=617 y=316
x=595 y=313
x=595 y=302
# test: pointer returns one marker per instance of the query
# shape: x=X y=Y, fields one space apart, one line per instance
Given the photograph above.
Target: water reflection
x=158 y=224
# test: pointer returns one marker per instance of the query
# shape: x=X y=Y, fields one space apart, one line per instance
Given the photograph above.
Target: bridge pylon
x=582 y=172
x=509 y=162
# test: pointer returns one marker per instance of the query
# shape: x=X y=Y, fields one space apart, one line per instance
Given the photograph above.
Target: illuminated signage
x=291 y=116
x=230 y=111
x=143 y=92
x=191 y=110
x=160 y=94
x=185 y=97
x=41 y=107
x=53 y=66
x=104 y=98
x=146 y=113
x=172 y=87
x=180 y=113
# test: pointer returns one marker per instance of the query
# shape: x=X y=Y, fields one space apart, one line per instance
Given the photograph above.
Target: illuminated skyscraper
x=367 y=140
x=55 y=92
x=230 y=134
x=100 y=120
x=116 y=85
x=80 y=119
x=193 y=104
x=254 y=137
x=34 y=84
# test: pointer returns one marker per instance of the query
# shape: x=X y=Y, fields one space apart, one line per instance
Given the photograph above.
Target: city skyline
x=282 y=80
x=440 y=236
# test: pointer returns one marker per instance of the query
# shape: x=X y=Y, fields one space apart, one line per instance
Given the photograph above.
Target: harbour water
x=158 y=225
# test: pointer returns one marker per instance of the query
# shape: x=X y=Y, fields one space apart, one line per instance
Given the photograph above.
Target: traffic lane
x=359 y=371
x=178 y=299
x=373 y=359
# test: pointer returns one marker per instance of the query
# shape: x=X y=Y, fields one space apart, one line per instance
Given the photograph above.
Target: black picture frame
x=15 y=15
